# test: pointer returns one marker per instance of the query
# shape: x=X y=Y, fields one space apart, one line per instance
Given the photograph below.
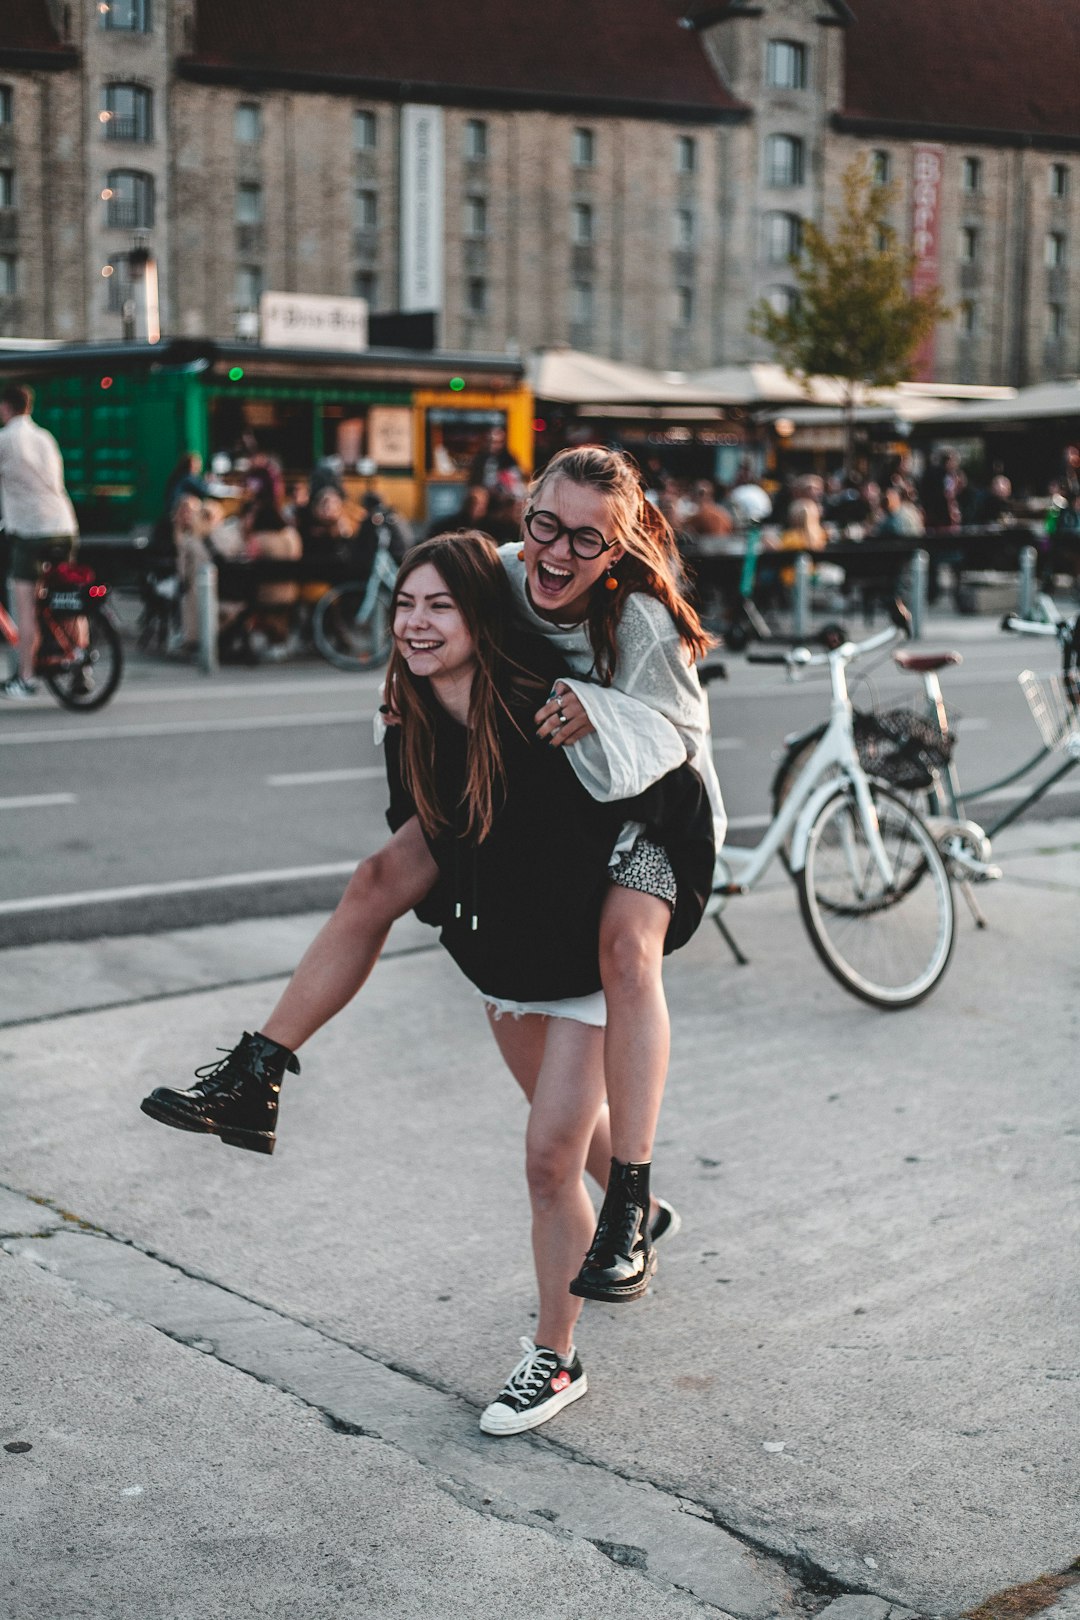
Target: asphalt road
x=253 y=793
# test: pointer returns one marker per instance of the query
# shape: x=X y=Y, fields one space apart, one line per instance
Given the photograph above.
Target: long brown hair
x=468 y=564
x=651 y=560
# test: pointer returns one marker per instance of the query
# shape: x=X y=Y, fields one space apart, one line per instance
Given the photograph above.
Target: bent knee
x=630 y=961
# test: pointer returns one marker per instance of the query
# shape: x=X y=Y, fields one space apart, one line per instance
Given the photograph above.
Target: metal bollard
x=206 y=591
x=918 y=580
x=800 y=600
x=1029 y=558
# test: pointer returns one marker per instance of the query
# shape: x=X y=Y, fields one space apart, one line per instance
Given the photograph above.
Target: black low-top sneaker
x=539 y=1386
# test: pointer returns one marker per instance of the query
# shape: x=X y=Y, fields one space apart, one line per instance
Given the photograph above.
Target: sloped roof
x=28 y=37
x=1008 y=66
x=540 y=52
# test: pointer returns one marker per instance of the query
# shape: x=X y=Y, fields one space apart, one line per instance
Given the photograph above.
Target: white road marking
x=362 y=773
x=193 y=692
x=150 y=891
x=185 y=728
x=37 y=801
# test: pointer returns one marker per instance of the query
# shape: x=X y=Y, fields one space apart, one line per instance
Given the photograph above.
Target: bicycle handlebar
x=797 y=658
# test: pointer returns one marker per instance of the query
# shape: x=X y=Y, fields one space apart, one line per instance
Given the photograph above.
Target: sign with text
x=422 y=203
x=311 y=321
x=390 y=435
x=929 y=167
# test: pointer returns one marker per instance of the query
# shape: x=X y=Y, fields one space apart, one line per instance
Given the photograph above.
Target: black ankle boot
x=621 y=1259
x=236 y=1099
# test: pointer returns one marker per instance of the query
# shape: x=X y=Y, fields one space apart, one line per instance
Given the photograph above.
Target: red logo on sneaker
x=559 y=1381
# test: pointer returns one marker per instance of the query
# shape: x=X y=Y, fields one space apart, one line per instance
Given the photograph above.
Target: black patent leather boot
x=236 y=1099
x=622 y=1258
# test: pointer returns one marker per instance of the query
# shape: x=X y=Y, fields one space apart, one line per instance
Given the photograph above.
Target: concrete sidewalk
x=251 y=1386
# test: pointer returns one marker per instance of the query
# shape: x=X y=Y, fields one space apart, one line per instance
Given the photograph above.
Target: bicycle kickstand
x=731 y=942
x=978 y=916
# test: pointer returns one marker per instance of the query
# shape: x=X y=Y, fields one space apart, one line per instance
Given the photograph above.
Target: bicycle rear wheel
x=88 y=677
x=887 y=945
x=345 y=635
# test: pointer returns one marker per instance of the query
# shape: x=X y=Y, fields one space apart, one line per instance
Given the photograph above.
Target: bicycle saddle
x=926 y=663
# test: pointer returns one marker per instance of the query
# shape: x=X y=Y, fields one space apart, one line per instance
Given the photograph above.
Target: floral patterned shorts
x=646 y=868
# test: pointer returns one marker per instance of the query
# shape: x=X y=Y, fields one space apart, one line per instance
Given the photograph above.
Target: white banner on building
x=311 y=321
x=422 y=197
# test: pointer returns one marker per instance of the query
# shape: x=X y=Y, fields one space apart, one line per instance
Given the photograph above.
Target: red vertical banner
x=929 y=167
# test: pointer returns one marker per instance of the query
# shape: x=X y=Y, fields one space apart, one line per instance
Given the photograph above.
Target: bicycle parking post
x=1028 y=559
x=918 y=579
x=800 y=603
x=206 y=583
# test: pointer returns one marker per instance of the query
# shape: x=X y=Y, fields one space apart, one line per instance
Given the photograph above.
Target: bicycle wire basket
x=900 y=747
x=1054 y=702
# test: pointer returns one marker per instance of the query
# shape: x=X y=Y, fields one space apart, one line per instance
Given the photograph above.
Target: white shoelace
x=531 y=1372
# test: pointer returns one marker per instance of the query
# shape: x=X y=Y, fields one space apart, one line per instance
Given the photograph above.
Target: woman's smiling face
x=429 y=629
x=560 y=584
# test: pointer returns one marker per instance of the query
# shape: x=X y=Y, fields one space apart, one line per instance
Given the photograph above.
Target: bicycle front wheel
x=888 y=944
x=349 y=632
x=86 y=677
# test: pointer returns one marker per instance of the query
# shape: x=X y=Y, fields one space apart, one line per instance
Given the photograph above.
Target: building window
x=366 y=285
x=247 y=123
x=581 y=303
x=476 y=139
x=7 y=188
x=881 y=168
x=684 y=228
x=971 y=175
x=476 y=295
x=784 y=160
x=6 y=104
x=117 y=276
x=685 y=154
x=1055 y=320
x=127 y=112
x=129 y=198
x=365 y=131
x=365 y=208
x=249 y=203
x=582 y=224
x=583 y=148
x=684 y=306
x=1059 y=180
x=781 y=300
x=133 y=16
x=476 y=216
x=785 y=65
x=969 y=320
x=783 y=237
x=1054 y=254
x=249 y=286
x=968 y=244
x=8 y=277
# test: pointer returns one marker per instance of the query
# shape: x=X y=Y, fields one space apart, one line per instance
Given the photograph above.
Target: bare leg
x=638 y=1041
x=567 y=1096
x=26 y=619
x=346 y=948
x=521 y=1044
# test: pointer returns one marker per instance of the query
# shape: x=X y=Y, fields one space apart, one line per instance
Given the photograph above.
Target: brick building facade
x=629 y=179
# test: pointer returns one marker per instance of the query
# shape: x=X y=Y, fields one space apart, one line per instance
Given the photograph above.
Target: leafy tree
x=855 y=316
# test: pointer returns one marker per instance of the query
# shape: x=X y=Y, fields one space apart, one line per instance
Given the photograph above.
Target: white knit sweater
x=653 y=718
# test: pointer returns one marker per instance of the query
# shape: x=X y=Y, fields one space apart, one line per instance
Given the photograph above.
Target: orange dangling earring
x=521 y=554
x=611 y=583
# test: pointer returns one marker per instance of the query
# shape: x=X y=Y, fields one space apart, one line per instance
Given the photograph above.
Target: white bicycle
x=874 y=892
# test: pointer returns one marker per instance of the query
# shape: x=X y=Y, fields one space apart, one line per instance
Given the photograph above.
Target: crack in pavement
x=672 y=1542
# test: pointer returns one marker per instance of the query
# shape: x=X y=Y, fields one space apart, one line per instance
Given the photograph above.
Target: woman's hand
x=563 y=720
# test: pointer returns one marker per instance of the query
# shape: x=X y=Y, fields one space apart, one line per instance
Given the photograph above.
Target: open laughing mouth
x=423 y=646
x=551 y=579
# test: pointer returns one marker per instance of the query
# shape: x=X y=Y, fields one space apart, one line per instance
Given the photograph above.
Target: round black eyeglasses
x=545 y=529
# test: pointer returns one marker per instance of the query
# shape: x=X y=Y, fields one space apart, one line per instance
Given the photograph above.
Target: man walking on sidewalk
x=38 y=516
